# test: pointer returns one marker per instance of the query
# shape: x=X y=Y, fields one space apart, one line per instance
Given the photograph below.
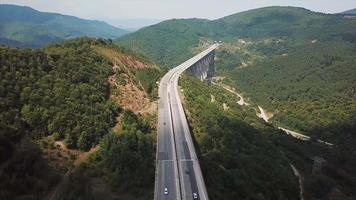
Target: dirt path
x=263 y=114
x=297 y=174
x=59 y=186
x=241 y=100
x=302 y=137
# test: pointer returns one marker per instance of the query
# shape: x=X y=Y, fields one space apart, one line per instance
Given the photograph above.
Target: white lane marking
x=187 y=160
x=167 y=160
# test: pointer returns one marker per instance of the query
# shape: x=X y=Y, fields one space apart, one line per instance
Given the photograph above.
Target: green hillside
x=306 y=86
x=25 y=27
x=234 y=145
x=57 y=103
x=267 y=53
x=297 y=64
x=182 y=35
x=169 y=42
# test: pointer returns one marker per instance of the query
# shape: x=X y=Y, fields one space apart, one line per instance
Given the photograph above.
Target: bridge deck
x=178 y=170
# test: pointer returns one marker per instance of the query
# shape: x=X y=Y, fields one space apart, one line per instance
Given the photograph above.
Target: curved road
x=178 y=173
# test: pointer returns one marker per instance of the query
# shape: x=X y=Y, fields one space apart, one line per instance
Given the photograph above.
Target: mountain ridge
x=350 y=12
x=278 y=35
x=261 y=22
x=31 y=28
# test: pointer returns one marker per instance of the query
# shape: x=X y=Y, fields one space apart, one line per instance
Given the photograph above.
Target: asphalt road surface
x=178 y=173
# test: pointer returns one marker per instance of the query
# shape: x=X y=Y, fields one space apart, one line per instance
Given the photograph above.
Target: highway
x=178 y=173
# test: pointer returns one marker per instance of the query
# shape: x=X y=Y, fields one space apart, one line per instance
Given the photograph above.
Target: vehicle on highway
x=165 y=191
x=195 y=196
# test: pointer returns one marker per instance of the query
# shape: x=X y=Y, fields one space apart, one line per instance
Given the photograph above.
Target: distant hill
x=350 y=12
x=171 y=42
x=23 y=26
x=132 y=24
x=167 y=42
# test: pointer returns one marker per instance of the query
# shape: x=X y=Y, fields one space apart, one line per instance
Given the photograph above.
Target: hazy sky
x=164 y=9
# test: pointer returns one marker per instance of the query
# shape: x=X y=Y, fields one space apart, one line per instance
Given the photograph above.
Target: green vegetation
x=129 y=154
x=62 y=92
x=234 y=144
x=234 y=147
x=167 y=43
x=24 y=173
x=285 y=58
x=172 y=42
x=148 y=78
x=25 y=27
x=336 y=179
x=350 y=12
x=298 y=64
x=315 y=77
x=126 y=160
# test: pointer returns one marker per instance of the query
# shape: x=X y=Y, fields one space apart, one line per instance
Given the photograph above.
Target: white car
x=195 y=196
x=165 y=191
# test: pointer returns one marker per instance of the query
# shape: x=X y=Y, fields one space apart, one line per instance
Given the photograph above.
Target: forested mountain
x=235 y=145
x=350 y=12
x=58 y=102
x=238 y=159
x=22 y=26
x=167 y=41
x=78 y=117
x=260 y=23
x=297 y=63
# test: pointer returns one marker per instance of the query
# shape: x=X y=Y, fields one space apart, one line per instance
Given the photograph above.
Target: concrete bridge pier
x=204 y=69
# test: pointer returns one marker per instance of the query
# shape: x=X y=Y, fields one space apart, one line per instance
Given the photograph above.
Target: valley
x=256 y=105
x=284 y=61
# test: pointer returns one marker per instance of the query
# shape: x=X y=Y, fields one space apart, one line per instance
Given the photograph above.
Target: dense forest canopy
x=234 y=146
x=125 y=160
x=312 y=86
x=62 y=93
x=60 y=90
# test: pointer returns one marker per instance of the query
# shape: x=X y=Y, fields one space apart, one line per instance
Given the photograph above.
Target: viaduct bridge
x=178 y=173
